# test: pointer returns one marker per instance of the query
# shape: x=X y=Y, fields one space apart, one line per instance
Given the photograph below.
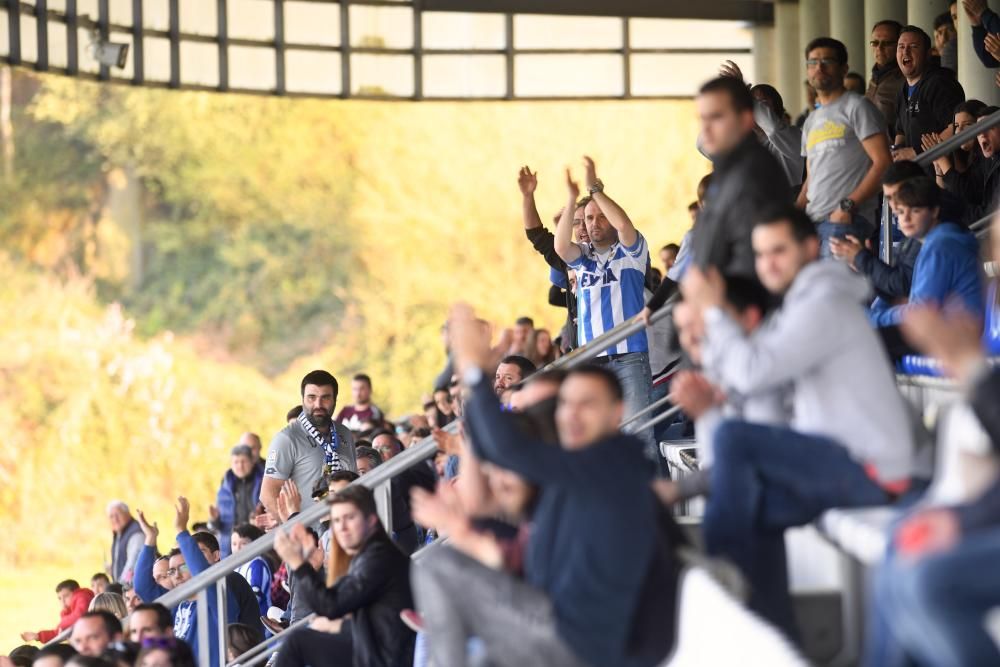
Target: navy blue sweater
x=593 y=540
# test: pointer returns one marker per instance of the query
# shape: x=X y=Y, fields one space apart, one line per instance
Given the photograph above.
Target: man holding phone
x=846 y=148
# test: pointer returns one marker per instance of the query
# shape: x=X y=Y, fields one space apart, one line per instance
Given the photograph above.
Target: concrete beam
x=755 y=11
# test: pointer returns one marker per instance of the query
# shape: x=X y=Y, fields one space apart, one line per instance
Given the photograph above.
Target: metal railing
x=380 y=481
x=924 y=160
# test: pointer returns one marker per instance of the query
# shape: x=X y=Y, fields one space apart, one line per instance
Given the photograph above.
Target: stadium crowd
x=785 y=334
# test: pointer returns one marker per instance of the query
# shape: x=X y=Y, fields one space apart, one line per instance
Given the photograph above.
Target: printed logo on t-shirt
x=827 y=132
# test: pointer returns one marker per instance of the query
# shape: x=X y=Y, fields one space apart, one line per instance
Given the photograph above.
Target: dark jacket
x=984 y=512
x=989 y=22
x=890 y=282
x=883 y=91
x=121 y=568
x=931 y=107
x=225 y=500
x=374 y=590
x=544 y=243
x=593 y=546
x=421 y=475
x=982 y=179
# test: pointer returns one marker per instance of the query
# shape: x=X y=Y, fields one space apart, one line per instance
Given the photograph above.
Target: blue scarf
x=330 y=445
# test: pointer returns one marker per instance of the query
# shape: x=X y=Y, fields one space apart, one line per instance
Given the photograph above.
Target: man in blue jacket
x=238 y=495
x=947 y=267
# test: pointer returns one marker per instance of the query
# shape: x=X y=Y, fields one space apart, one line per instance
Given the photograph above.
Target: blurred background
x=173 y=261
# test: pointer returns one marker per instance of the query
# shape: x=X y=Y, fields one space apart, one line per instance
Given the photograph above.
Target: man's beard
x=319 y=421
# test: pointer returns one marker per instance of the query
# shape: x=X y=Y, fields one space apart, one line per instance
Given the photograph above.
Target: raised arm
x=527 y=182
x=143 y=581
x=565 y=247
x=627 y=233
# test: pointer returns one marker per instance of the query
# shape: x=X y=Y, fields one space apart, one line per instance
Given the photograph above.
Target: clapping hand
x=729 y=68
x=992 y=44
x=183 y=514
x=150 y=531
x=590 y=171
x=527 y=181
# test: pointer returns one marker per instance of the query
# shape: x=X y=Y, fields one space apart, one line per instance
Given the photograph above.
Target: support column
x=847 y=23
x=975 y=78
x=878 y=10
x=764 y=67
x=790 y=67
x=922 y=13
x=814 y=21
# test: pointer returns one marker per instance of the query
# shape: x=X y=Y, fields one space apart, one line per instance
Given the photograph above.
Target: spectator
x=238 y=495
x=23 y=655
x=891 y=282
x=241 y=639
x=363 y=410
x=241 y=600
x=293 y=414
x=742 y=185
x=846 y=150
x=980 y=184
x=927 y=102
x=132 y=599
x=315 y=444
x=109 y=602
x=800 y=120
x=574 y=585
x=783 y=139
x=523 y=328
x=985 y=23
x=55 y=655
x=850 y=443
x=99 y=583
x=854 y=83
x=74 y=600
x=610 y=273
x=444 y=409
x=668 y=253
x=150 y=621
x=947 y=268
x=375 y=589
x=126 y=541
x=886 y=80
x=963 y=158
x=368 y=460
x=404 y=531
x=946 y=41
x=543 y=350
x=258 y=571
x=94 y=631
x=252 y=440
x=166 y=653
x=512 y=369
x=431 y=412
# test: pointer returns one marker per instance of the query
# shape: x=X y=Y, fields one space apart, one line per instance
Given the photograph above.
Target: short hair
x=174 y=552
x=320 y=379
x=242 y=450
x=801 y=225
x=704 y=184
x=772 y=95
x=524 y=364
x=70 y=585
x=248 y=531
x=115 y=588
x=112 y=625
x=943 y=18
x=180 y=653
x=100 y=575
x=583 y=201
x=602 y=373
x=360 y=496
x=365 y=452
x=362 y=377
x=207 y=540
x=117 y=505
x=743 y=292
x=242 y=637
x=839 y=50
x=62 y=651
x=693 y=206
x=739 y=94
x=293 y=413
x=110 y=602
x=392 y=438
x=342 y=476
x=895 y=25
x=525 y=321
x=917 y=30
x=919 y=191
x=23 y=655
x=672 y=247
x=901 y=171
x=164 y=619
x=855 y=76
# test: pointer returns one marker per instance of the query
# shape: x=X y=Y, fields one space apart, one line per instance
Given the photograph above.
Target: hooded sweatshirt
x=947 y=267
x=79 y=602
x=821 y=342
x=929 y=106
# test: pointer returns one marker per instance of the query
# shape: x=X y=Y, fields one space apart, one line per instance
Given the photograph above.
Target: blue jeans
x=636 y=379
x=858 y=227
x=766 y=479
x=933 y=606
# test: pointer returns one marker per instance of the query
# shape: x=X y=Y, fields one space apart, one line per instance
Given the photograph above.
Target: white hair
x=117 y=505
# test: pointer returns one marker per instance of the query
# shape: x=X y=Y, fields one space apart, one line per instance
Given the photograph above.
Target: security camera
x=109 y=54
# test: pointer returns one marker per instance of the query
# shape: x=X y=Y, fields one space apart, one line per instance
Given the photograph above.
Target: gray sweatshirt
x=820 y=341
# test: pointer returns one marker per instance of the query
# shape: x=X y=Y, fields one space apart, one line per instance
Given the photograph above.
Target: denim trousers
x=636 y=379
x=858 y=227
x=766 y=479
x=929 y=610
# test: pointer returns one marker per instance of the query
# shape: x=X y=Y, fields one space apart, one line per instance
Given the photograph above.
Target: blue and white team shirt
x=258 y=574
x=609 y=291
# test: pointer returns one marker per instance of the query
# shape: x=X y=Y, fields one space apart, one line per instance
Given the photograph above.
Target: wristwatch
x=472 y=376
x=847 y=204
x=598 y=186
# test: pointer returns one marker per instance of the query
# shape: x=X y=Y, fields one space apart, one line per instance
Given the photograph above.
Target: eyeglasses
x=174 y=571
x=825 y=62
x=884 y=43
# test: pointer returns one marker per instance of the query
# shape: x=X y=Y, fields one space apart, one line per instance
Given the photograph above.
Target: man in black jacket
x=747 y=180
x=375 y=589
x=980 y=184
x=927 y=100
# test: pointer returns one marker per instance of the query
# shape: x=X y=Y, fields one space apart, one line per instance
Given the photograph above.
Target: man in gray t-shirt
x=846 y=147
x=309 y=445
